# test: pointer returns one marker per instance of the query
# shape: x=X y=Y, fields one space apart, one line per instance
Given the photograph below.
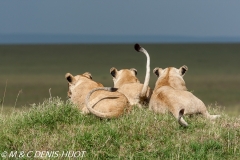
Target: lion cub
x=127 y=82
x=106 y=103
x=170 y=94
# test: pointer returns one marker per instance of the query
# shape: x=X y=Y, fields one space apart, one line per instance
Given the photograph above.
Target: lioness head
x=124 y=76
x=74 y=81
x=171 y=76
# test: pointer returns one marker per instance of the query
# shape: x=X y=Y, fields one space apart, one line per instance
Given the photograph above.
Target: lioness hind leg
x=179 y=116
x=211 y=117
x=215 y=116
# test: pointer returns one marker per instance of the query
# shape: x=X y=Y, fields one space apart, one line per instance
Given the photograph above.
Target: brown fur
x=164 y=81
x=112 y=103
x=106 y=103
x=170 y=95
x=128 y=84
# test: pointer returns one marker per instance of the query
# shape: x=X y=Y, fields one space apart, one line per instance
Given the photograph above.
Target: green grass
x=31 y=73
x=56 y=125
x=213 y=73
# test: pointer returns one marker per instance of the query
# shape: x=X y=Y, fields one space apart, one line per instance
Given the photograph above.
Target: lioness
x=110 y=104
x=170 y=94
x=127 y=82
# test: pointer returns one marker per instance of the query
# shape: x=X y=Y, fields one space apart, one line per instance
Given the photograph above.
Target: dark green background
x=213 y=75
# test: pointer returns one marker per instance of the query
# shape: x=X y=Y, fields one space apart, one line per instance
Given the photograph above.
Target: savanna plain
x=36 y=115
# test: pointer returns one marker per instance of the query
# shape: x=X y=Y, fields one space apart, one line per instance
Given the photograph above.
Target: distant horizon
x=21 y=38
x=98 y=22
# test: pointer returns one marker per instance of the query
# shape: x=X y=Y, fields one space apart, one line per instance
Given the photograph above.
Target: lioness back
x=104 y=101
x=132 y=89
x=168 y=99
x=170 y=94
x=127 y=83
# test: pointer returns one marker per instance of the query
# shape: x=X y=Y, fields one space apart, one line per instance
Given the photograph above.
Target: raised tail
x=138 y=48
x=97 y=113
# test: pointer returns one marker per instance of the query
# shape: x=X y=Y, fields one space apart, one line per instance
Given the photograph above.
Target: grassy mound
x=57 y=126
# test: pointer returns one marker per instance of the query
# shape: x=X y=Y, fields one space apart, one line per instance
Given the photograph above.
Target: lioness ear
x=88 y=75
x=113 y=71
x=157 y=71
x=70 y=78
x=134 y=70
x=183 y=70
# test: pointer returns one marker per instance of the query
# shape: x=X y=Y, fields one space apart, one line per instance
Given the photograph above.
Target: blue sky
x=215 y=18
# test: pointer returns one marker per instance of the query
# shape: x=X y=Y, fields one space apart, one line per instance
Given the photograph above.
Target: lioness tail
x=97 y=113
x=138 y=48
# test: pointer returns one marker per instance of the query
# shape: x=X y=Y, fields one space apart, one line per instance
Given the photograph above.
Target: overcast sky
x=132 y=17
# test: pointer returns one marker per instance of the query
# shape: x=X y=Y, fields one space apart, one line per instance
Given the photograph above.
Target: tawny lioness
x=170 y=95
x=127 y=82
x=107 y=104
